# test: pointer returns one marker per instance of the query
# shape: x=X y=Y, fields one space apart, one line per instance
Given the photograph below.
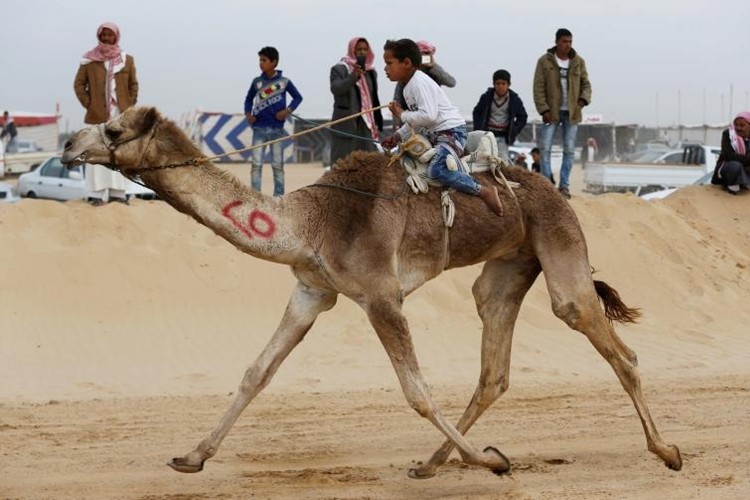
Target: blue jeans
x=569 y=131
x=261 y=135
x=502 y=148
x=438 y=170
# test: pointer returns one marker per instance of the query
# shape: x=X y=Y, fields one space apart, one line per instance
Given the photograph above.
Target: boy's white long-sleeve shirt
x=428 y=107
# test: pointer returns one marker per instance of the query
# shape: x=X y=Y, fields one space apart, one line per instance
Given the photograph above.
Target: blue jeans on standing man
x=569 y=131
x=261 y=135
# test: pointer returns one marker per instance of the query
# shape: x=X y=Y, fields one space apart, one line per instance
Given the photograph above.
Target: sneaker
x=565 y=192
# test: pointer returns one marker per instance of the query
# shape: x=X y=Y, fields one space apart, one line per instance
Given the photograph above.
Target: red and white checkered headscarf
x=104 y=51
x=738 y=142
x=111 y=56
x=350 y=59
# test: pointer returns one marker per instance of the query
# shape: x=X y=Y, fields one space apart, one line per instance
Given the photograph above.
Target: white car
x=54 y=181
x=8 y=193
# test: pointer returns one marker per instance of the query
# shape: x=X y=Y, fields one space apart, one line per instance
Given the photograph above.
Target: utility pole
x=679 y=113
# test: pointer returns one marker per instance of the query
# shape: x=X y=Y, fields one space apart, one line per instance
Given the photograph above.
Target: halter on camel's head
x=120 y=144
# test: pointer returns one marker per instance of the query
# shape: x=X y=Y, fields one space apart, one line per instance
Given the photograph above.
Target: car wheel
x=31 y=194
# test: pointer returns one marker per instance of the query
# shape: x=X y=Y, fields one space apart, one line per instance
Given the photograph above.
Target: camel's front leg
x=498 y=292
x=385 y=315
x=304 y=306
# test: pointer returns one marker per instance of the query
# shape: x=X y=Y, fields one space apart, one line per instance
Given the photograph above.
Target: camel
x=361 y=233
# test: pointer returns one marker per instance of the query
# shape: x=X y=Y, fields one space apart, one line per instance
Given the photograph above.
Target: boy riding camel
x=432 y=114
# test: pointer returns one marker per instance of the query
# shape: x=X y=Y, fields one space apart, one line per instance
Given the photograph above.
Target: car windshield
x=672 y=158
x=647 y=156
x=53 y=168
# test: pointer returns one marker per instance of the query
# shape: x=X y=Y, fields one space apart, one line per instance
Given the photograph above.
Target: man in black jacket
x=500 y=111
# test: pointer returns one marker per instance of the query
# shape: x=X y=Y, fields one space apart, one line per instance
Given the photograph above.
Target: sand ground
x=125 y=331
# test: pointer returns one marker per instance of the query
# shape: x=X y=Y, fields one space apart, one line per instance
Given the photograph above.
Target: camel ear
x=148 y=119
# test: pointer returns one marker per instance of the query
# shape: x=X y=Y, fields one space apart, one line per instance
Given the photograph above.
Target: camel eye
x=112 y=134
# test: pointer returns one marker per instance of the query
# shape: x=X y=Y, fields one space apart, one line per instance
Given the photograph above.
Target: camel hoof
x=502 y=469
x=421 y=472
x=674 y=459
x=180 y=465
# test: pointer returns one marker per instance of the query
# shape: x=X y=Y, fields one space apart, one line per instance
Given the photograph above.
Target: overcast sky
x=653 y=62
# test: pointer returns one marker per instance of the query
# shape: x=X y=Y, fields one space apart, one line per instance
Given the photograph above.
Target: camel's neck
x=254 y=223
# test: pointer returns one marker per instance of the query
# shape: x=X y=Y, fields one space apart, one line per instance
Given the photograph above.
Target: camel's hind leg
x=498 y=292
x=304 y=306
x=574 y=300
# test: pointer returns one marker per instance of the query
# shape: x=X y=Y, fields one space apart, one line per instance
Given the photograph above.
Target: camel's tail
x=614 y=308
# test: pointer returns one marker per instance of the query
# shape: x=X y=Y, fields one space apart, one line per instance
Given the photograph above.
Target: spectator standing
x=9 y=131
x=354 y=86
x=589 y=152
x=266 y=110
x=561 y=90
x=501 y=111
x=106 y=85
x=732 y=170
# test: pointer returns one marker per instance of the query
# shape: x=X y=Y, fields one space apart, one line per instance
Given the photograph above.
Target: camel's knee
x=254 y=380
x=569 y=312
x=422 y=405
x=631 y=356
x=491 y=389
x=626 y=352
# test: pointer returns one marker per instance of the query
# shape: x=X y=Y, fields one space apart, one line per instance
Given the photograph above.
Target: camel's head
x=118 y=144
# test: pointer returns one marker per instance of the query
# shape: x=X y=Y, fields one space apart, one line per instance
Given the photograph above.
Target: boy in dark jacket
x=500 y=111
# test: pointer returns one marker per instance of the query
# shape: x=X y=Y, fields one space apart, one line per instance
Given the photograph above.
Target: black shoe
x=565 y=192
x=95 y=202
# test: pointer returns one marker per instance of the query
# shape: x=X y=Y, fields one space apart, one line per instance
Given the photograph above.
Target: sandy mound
x=141 y=300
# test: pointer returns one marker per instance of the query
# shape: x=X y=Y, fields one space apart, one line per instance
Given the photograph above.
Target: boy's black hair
x=561 y=33
x=535 y=150
x=405 y=49
x=501 y=74
x=270 y=52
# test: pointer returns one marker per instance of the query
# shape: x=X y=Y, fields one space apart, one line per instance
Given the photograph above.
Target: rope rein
x=112 y=145
x=339 y=132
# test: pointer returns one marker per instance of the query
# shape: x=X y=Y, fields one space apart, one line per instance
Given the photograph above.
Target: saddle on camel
x=360 y=232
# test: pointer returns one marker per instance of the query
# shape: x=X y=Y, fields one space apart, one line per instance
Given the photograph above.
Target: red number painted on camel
x=258 y=222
